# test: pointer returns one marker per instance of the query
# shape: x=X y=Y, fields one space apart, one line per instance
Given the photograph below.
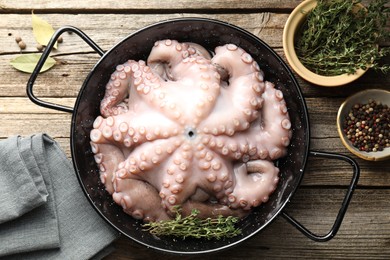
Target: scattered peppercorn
x=39 y=47
x=18 y=39
x=22 y=45
x=367 y=126
x=60 y=39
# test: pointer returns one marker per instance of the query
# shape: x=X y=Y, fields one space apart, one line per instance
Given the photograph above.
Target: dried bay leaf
x=28 y=62
x=42 y=30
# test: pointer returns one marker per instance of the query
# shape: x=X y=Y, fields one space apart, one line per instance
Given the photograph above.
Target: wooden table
x=365 y=231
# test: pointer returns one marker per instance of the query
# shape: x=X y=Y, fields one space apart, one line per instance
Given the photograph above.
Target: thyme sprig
x=338 y=37
x=191 y=226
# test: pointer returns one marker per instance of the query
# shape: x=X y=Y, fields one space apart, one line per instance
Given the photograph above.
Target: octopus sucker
x=94 y=147
x=275 y=153
x=98 y=158
x=98 y=121
x=191 y=129
x=117 y=135
x=279 y=94
x=247 y=58
x=103 y=178
x=231 y=47
x=123 y=127
x=211 y=177
x=96 y=137
x=285 y=141
x=107 y=132
x=283 y=108
x=286 y=124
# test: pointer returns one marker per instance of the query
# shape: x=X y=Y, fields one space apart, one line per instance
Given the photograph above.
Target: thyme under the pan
x=339 y=38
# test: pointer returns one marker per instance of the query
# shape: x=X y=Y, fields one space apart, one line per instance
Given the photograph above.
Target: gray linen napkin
x=43 y=211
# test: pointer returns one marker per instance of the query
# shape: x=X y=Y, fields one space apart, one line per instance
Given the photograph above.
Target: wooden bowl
x=292 y=26
x=362 y=97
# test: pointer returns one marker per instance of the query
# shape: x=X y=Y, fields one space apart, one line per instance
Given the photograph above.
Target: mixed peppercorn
x=367 y=126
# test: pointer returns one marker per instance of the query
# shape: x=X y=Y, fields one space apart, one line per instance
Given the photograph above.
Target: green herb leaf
x=191 y=226
x=42 y=30
x=340 y=37
x=28 y=62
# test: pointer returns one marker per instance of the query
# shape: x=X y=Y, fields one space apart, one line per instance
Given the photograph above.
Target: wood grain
x=365 y=231
x=118 y=26
x=144 y=5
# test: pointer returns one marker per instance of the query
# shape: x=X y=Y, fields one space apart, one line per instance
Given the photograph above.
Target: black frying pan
x=208 y=33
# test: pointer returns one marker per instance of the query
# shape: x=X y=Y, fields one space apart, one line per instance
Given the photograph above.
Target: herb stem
x=340 y=37
x=191 y=226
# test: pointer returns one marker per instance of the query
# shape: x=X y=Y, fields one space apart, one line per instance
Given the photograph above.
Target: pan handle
x=344 y=205
x=42 y=60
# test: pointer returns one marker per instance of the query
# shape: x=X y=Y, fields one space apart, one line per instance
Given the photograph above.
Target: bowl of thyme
x=334 y=42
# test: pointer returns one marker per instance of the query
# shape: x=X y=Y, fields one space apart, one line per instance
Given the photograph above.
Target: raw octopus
x=190 y=129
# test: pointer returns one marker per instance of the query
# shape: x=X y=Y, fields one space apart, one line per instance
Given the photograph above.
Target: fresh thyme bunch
x=339 y=37
x=191 y=226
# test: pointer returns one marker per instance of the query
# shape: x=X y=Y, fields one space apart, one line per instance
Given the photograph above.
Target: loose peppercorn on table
x=365 y=230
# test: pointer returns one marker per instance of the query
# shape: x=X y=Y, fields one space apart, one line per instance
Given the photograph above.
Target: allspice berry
x=39 y=47
x=60 y=39
x=22 y=45
x=18 y=39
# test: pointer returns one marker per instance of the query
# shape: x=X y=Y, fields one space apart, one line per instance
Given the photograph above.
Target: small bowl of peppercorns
x=363 y=123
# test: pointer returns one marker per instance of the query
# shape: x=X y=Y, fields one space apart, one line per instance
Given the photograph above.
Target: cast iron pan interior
x=208 y=33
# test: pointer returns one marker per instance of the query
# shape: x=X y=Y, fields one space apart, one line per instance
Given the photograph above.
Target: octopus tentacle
x=164 y=56
x=117 y=90
x=107 y=157
x=176 y=185
x=211 y=209
x=271 y=132
x=182 y=69
x=276 y=125
x=181 y=186
x=139 y=199
x=187 y=129
x=238 y=149
x=132 y=77
x=255 y=181
x=220 y=183
x=118 y=129
x=218 y=174
x=181 y=182
x=144 y=158
x=167 y=54
x=240 y=99
x=195 y=49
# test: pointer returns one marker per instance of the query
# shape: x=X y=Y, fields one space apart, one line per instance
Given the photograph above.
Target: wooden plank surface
x=144 y=5
x=365 y=232
x=76 y=59
x=264 y=25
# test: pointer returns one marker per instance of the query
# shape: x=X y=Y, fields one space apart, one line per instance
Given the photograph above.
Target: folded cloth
x=43 y=211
